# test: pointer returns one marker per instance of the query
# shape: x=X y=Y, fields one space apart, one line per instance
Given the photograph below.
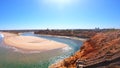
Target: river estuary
x=11 y=57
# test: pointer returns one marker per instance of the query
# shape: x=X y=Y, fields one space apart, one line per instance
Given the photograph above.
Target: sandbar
x=31 y=42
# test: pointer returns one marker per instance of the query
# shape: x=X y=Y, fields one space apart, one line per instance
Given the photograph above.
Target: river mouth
x=13 y=58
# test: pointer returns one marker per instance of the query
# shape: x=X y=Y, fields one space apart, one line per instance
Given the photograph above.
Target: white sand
x=31 y=42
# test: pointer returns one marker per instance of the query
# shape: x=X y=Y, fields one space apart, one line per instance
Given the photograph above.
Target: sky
x=59 y=14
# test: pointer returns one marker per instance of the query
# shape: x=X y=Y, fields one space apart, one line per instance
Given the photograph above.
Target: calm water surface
x=11 y=57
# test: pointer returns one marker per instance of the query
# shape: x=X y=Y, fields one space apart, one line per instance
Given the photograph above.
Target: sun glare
x=59 y=3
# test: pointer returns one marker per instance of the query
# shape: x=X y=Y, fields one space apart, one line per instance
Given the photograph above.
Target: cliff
x=104 y=46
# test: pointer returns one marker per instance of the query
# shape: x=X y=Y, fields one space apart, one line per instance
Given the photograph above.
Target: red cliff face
x=94 y=48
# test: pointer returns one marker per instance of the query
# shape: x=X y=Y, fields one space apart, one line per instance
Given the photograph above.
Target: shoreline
x=31 y=43
x=75 y=38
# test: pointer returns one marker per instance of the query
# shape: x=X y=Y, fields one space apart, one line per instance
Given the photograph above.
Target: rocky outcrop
x=104 y=46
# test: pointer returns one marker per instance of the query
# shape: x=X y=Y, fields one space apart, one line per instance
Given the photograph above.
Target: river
x=11 y=57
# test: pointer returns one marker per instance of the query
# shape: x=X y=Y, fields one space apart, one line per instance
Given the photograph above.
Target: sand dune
x=31 y=42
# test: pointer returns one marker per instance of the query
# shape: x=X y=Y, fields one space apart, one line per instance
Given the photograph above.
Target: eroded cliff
x=101 y=47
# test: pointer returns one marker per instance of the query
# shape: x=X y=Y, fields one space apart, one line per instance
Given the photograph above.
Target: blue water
x=11 y=57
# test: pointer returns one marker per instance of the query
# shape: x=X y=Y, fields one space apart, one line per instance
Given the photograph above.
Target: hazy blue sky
x=59 y=14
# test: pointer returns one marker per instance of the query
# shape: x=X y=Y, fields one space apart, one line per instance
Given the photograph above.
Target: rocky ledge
x=102 y=48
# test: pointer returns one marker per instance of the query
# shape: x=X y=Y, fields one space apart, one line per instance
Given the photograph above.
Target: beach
x=31 y=42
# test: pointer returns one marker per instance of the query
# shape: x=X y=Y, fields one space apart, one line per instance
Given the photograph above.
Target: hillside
x=102 y=47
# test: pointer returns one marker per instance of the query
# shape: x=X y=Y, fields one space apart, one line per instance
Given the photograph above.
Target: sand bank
x=31 y=42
